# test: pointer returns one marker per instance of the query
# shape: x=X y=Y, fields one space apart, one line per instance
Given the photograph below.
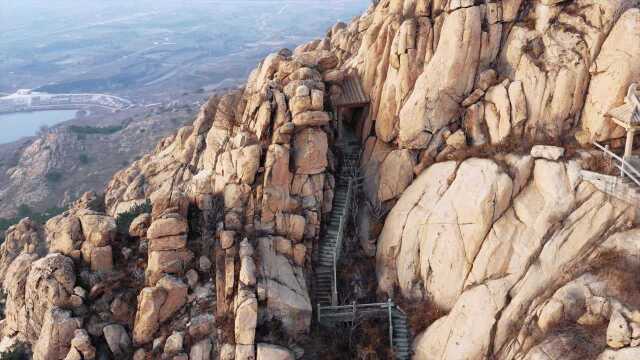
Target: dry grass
x=226 y=325
x=369 y=340
x=420 y=314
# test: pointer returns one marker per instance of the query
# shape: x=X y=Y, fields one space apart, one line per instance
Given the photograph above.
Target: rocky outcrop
x=510 y=251
x=613 y=72
x=25 y=237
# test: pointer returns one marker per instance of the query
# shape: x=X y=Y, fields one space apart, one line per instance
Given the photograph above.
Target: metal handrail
x=624 y=171
x=621 y=160
x=389 y=303
x=340 y=238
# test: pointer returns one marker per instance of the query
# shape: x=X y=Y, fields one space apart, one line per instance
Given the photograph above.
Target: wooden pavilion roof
x=626 y=115
x=352 y=93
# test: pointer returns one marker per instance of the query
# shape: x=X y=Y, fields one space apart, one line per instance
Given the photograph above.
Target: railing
x=626 y=169
x=350 y=313
x=339 y=240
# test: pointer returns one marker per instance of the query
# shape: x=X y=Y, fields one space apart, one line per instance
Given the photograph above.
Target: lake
x=14 y=126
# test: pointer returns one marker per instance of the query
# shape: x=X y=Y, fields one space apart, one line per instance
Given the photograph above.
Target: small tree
x=124 y=220
x=84 y=159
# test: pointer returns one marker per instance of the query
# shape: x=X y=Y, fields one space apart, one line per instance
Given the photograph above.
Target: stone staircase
x=400 y=334
x=330 y=247
x=328 y=254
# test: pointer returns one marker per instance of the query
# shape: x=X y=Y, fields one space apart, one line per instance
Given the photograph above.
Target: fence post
x=334 y=290
x=354 y=310
x=390 y=323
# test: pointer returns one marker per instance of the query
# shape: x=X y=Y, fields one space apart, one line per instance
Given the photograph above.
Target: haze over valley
x=146 y=49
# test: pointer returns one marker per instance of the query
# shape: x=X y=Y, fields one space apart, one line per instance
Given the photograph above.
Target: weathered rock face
x=286 y=295
x=613 y=72
x=262 y=159
x=499 y=262
x=25 y=237
x=58 y=329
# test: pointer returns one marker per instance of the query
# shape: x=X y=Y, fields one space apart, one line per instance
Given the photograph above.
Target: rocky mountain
x=477 y=208
x=58 y=165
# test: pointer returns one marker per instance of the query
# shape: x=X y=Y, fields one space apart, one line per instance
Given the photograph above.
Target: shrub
x=20 y=352
x=25 y=211
x=97 y=204
x=53 y=177
x=76 y=129
x=84 y=159
x=124 y=220
x=194 y=217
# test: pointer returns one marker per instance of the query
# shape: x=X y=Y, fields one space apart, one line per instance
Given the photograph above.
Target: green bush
x=106 y=130
x=124 y=220
x=53 y=176
x=98 y=204
x=20 y=352
x=25 y=211
x=84 y=159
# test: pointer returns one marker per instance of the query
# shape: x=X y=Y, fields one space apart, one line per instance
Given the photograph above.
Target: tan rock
x=117 y=339
x=227 y=239
x=553 y=153
x=396 y=173
x=310 y=151
x=273 y=352
x=161 y=263
x=201 y=350
x=54 y=341
x=286 y=296
x=102 y=259
x=168 y=200
x=498 y=113
x=311 y=118
x=247 y=271
x=447 y=79
x=618 y=331
x=612 y=73
x=147 y=320
x=170 y=226
x=81 y=343
x=246 y=317
x=290 y=226
x=172 y=242
x=245 y=352
x=98 y=229
x=299 y=254
x=64 y=233
x=300 y=104
x=475 y=125
x=176 y=296
x=140 y=225
x=174 y=343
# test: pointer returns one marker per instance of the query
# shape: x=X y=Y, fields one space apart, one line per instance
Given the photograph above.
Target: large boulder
x=287 y=297
x=447 y=79
x=24 y=237
x=99 y=230
x=614 y=70
x=64 y=233
x=58 y=329
x=310 y=151
x=49 y=285
x=147 y=320
x=273 y=352
x=396 y=173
